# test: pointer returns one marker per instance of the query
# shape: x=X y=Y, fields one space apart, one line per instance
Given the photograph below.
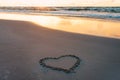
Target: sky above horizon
x=59 y=2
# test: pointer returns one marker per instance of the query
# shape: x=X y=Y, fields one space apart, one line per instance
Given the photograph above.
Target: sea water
x=95 y=12
x=59 y=18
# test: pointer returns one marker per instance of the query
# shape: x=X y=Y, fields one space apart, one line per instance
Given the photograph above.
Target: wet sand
x=23 y=44
x=82 y=25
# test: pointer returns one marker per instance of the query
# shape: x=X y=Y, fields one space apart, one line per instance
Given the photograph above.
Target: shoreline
x=66 y=16
x=99 y=27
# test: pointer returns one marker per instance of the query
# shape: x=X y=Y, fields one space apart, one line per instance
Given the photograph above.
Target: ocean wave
x=97 y=12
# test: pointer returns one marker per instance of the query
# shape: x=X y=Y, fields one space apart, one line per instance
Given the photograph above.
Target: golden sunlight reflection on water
x=89 y=26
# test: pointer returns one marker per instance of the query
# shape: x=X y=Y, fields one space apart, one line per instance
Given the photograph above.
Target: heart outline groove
x=69 y=70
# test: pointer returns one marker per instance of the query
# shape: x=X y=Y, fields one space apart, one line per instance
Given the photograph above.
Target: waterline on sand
x=90 y=26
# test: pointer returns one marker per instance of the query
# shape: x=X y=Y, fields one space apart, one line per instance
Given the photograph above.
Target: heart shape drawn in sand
x=65 y=63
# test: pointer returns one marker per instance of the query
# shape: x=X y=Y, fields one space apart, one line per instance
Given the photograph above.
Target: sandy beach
x=83 y=25
x=23 y=44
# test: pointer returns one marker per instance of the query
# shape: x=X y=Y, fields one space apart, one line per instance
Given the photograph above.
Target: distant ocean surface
x=93 y=12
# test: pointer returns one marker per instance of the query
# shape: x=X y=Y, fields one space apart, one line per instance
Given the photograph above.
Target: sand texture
x=23 y=44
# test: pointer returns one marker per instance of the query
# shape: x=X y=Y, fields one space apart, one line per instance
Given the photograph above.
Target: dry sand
x=23 y=44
